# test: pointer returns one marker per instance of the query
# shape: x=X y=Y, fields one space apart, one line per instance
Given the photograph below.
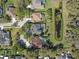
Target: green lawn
x=51 y=30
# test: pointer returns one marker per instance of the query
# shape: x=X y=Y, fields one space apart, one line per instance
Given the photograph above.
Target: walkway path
x=20 y=23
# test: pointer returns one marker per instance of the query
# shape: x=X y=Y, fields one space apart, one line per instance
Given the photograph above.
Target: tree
x=7 y=17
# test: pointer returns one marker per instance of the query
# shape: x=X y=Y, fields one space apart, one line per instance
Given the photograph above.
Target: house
x=13 y=57
x=23 y=42
x=39 y=57
x=19 y=57
x=37 y=28
x=38 y=4
x=4 y=57
x=43 y=57
x=11 y=13
x=1 y=27
x=10 y=10
x=36 y=17
x=39 y=42
x=46 y=57
x=1 y=57
x=36 y=42
x=5 y=37
x=65 y=56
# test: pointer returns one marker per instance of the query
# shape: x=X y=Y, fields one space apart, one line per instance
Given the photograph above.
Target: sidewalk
x=19 y=23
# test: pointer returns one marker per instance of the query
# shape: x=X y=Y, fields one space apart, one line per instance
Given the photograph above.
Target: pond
x=1 y=10
x=58 y=28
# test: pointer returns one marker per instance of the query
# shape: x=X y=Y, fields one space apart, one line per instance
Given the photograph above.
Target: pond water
x=58 y=28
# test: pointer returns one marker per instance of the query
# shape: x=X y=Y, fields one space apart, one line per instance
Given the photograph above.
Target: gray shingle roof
x=37 y=28
x=4 y=38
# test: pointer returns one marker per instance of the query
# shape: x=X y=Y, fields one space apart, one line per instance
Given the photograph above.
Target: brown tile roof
x=36 y=42
x=36 y=17
x=11 y=12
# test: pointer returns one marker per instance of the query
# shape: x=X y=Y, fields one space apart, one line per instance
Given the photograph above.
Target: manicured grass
x=52 y=26
x=50 y=22
x=51 y=30
x=1 y=52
